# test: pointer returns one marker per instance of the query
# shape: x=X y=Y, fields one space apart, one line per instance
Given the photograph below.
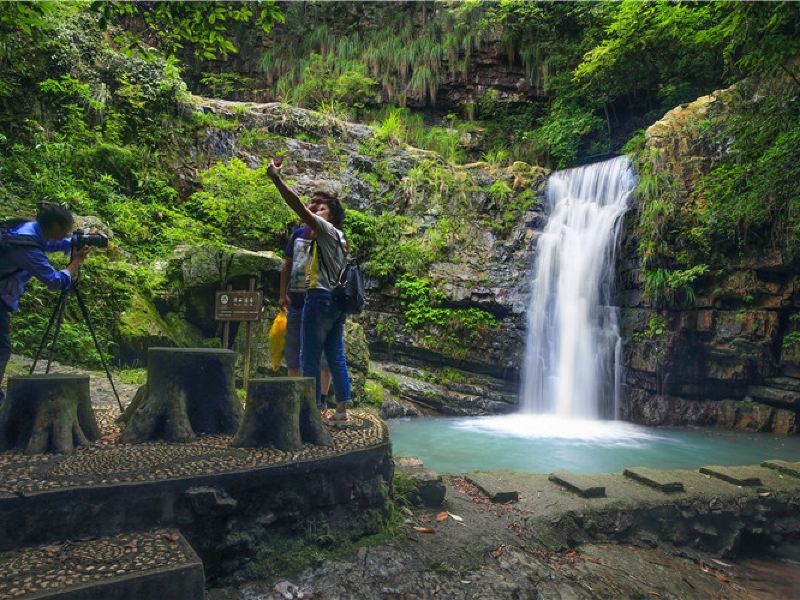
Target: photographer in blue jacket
x=23 y=254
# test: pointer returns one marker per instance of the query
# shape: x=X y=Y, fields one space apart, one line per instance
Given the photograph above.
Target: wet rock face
x=488 y=67
x=488 y=271
x=431 y=391
x=727 y=358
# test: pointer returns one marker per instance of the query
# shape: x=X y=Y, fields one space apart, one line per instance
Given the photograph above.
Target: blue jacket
x=30 y=257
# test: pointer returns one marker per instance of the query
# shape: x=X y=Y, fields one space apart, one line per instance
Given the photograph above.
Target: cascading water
x=573 y=359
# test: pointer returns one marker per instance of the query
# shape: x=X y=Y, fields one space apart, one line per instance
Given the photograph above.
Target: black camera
x=95 y=240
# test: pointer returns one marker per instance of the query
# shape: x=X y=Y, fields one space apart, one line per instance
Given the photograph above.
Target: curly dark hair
x=336 y=208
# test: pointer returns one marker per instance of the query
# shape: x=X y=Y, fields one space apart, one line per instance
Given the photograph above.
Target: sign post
x=236 y=305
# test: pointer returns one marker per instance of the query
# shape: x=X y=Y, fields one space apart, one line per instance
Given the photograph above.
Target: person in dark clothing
x=23 y=254
x=323 y=312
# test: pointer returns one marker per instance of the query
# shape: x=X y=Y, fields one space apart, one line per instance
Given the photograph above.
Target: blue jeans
x=294 y=320
x=323 y=331
x=5 y=341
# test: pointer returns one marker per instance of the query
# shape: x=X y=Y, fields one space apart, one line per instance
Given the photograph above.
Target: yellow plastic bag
x=277 y=339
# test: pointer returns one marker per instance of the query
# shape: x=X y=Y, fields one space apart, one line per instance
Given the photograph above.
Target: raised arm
x=292 y=199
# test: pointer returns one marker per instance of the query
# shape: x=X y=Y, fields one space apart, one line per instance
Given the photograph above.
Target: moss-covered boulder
x=357 y=353
x=140 y=326
x=213 y=267
x=260 y=356
x=195 y=274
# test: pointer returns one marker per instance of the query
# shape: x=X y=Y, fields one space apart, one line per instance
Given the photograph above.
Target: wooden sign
x=238 y=306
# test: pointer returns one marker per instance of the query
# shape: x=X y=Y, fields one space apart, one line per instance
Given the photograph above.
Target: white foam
x=543 y=427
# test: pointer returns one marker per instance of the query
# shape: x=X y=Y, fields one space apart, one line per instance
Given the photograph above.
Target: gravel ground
x=102 y=394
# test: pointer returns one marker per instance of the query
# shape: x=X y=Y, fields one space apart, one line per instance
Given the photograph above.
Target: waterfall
x=572 y=362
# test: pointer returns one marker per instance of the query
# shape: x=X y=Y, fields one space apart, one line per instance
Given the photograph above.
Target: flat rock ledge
x=498 y=488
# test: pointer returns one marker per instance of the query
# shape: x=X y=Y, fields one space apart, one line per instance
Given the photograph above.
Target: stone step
x=743 y=476
x=583 y=485
x=429 y=487
x=498 y=488
x=663 y=481
x=130 y=566
x=783 y=466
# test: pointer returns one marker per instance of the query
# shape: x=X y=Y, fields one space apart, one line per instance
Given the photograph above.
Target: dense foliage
x=597 y=71
x=92 y=117
x=86 y=123
x=746 y=205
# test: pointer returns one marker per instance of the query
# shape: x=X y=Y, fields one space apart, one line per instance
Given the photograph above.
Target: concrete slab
x=585 y=486
x=743 y=476
x=499 y=488
x=783 y=466
x=664 y=481
x=153 y=564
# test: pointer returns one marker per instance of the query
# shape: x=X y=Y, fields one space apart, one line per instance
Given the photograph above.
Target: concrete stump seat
x=47 y=413
x=281 y=412
x=189 y=391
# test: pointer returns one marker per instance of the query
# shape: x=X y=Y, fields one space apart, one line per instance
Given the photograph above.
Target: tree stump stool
x=47 y=413
x=189 y=391
x=282 y=412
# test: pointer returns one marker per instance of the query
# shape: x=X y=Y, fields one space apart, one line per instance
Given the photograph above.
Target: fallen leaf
x=442 y=516
x=456 y=517
x=111 y=436
x=424 y=530
x=52 y=548
x=656 y=594
x=719 y=562
x=424 y=518
x=171 y=537
x=408 y=511
x=720 y=577
x=571 y=554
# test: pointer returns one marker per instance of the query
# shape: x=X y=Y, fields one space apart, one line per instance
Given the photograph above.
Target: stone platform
x=151 y=564
x=227 y=501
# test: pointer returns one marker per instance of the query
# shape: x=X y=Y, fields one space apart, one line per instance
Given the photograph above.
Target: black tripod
x=58 y=317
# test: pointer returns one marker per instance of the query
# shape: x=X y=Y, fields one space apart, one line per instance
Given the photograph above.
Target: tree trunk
x=47 y=413
x=282 y=413
x=189 y=391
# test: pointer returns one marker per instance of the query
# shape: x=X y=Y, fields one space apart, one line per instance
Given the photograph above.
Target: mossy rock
x=260 y=356
x=356 y=352
x=211 y=267
x=183 y=332
x=140 y=326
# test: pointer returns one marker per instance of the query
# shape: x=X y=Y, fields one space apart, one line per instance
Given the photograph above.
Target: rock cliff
x=728 y=356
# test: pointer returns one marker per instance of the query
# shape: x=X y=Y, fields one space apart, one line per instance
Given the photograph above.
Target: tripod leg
x=85 y=313
x=61 y=299
x=59 y=321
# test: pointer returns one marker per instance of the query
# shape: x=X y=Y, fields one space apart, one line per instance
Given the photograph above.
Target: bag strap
x=338 y=280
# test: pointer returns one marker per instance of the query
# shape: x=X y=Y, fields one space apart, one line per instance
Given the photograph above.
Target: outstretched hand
x=274 y=168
